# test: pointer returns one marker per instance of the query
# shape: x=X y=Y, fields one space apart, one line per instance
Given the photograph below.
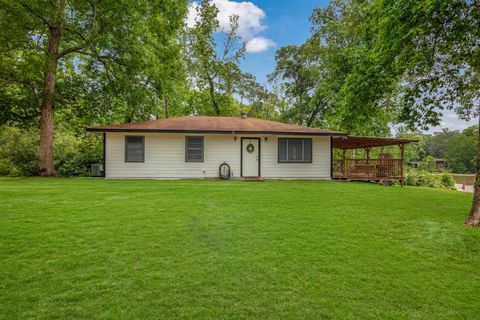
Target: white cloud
x=451 y=121
x=259 y=44
x=250 y=22
x=192 y=14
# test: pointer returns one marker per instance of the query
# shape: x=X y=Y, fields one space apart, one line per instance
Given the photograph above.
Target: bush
x=429 y=164
x=18 y=152
x=422 y=178
x=73 y=152
x=447 y=181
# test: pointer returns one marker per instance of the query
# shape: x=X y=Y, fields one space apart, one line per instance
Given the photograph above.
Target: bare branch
x=69 y=50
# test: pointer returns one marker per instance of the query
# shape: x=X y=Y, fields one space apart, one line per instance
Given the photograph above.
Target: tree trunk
x=165 y=105
x=474 y=217
x=312 y=116
x=47 y=109
x=211 y=89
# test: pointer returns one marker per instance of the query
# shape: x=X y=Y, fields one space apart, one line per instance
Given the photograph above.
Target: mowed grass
x=118 y=249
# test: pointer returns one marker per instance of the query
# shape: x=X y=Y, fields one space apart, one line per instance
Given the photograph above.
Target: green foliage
x=103 y=57
x=73 y=152
x=447 y=181
x=297 y=68
x=423 y=178
x=18 y=152
x=435 y=144
x=429 y=164
x=214 y=73
x=323 y=78
x=350 y=79
x=199 y=103
x=115 y=68
x=461 y=152
x=413 y=151
x=457 y=148
x=367 y=64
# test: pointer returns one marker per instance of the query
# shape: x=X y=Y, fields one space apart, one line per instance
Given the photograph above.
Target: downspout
x=331 y=157
x=104 y=154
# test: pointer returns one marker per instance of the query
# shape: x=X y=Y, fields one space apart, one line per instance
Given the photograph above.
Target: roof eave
x=333 y=134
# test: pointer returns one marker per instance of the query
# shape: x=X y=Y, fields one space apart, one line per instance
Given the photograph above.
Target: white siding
x=165 y=157
x=319 y=168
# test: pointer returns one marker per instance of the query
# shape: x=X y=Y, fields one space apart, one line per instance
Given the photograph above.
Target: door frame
x=259 y=153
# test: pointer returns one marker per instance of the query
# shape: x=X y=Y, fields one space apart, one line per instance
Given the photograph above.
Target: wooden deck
x=368 y=169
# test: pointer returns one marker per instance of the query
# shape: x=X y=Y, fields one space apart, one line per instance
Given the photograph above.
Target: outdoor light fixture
x=266 y=139
x=235 y=138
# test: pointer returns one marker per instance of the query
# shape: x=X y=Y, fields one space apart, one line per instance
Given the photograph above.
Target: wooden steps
x=253 y=179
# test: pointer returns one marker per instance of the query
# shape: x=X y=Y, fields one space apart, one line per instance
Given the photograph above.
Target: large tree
x=41 y=37
x=211 y=72
x=431 y=49
x=341 y=32
x=317 y=75
x=297 y=70
x=425 y=54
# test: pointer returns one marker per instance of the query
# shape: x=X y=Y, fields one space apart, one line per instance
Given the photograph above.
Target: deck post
x=366 y=168
x=402 y=152
x=367 y=152
x=367 y=157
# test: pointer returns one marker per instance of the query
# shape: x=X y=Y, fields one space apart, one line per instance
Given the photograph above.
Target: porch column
x=402 y=152
x=367 y=152
x=104 y=154
x=367 y=157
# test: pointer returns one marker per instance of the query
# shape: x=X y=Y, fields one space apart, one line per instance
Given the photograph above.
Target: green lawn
x=92 y=248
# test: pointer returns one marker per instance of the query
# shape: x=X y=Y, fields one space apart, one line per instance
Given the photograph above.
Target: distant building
x=440 y=163
x=414 y=164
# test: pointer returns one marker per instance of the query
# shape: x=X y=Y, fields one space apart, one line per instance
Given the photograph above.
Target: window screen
x=294 y=150
x=193 y=149
x=134 y=149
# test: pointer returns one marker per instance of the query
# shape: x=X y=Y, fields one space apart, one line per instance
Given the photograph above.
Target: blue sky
x=286 y=23
x=266 y=26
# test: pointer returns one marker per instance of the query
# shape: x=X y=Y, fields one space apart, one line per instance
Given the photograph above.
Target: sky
x=267 y=25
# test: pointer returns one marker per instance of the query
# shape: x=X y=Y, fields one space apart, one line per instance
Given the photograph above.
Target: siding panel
x=165 y=158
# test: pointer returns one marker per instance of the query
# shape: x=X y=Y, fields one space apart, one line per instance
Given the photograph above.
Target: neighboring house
x=195 y=147
x=414 y=164
x=440 y=163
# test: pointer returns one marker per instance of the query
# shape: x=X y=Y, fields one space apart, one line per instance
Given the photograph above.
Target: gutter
x=329 y=134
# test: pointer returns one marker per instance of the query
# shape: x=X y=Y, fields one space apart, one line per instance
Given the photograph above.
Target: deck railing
x=368 y=169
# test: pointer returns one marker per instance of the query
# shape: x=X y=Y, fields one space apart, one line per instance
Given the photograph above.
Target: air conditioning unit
x=96 y=170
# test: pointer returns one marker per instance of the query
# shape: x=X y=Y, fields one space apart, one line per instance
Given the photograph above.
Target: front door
x=250 y=157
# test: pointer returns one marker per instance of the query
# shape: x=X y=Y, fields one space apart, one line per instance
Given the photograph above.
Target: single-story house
x=196 y=147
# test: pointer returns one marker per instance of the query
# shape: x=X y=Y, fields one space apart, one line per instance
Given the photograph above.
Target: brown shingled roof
x=203 y=124
x=356 y=142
